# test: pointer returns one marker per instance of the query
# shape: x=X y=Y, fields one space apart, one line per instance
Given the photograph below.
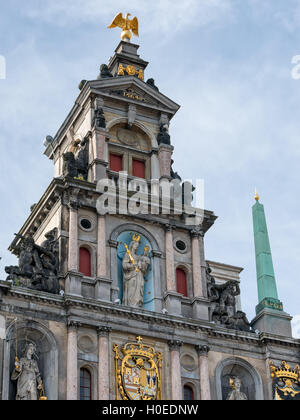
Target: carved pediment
x=134 y=90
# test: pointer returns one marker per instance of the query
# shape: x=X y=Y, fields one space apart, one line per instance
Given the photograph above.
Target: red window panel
x=138 y=168
x=85 y=385
x=85 y=266
x=188 y=393
x=181 y=281
x=116 y=162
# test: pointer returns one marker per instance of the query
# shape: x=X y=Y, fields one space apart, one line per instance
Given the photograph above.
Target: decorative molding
x=69 y=302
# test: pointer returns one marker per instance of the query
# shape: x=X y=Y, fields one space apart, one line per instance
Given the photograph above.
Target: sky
x=228 y=63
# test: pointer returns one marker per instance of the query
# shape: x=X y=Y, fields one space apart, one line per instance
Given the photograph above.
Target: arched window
x=181 y=281
x=188 y=393
x=85 y=385
x=85 y=265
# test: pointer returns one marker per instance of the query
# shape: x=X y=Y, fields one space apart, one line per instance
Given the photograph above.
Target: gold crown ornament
x=285 y=371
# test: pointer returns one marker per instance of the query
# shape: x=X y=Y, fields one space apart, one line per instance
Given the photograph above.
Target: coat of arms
x=138 y=371
x=286 y=381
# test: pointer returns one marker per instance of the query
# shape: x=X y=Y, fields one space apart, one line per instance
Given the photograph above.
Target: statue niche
x=30 y=369
x=38 y=265
x=135 y=271
x=77 y=167
x=223 y=299
x=26 y=373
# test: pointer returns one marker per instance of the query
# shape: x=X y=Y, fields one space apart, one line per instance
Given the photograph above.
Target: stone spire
x=270 y=317
x=266 y=283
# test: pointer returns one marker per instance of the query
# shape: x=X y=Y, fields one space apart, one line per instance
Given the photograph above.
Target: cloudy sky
x=227 y=62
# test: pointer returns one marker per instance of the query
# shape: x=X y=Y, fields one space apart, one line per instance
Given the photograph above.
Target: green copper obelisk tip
x=266 y=283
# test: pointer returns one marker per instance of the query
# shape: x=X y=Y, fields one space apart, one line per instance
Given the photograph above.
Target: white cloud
x=168 y=16
x=296 y=326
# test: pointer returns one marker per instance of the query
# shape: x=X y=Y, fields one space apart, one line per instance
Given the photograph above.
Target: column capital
x=103 y=331
x=174 y=345
x=202 y=350
x=71 y=198
x=169 y=228
x=73 y=325
x=197 y=233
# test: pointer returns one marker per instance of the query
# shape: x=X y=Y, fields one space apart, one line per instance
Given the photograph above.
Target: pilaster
x=176 y=385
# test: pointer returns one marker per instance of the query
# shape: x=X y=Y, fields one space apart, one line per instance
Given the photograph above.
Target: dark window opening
x=85 y=385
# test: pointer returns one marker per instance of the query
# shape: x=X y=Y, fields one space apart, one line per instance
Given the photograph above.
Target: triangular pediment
x=131 y=89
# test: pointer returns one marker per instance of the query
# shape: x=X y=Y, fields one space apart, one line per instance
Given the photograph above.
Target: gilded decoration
x=130 y=71
x=129 y=26
x=286 y=381
x=138 y=371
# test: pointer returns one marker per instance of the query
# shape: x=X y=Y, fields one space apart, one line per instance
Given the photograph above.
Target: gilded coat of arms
x=138 y=371
x=286 y=381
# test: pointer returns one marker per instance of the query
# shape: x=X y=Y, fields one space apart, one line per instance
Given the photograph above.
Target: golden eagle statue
x=127 y=25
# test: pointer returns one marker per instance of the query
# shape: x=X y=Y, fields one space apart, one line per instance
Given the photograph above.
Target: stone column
x=113 y=270
x=72 y=364
x=73 y=278
x=204 y=372
x=200 y=302
x=103 y=363
x=176 y=386
x=101 y=248
x=73 y=238
x=99 y=161
x=197 y=278
x=103 y=285
x=170 y=268
x=172 y=298
x=165 y=156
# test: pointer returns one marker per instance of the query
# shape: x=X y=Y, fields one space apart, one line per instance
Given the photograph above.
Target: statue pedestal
x=103 y=289
x=73 y=282
x=173 y=303
x=200 y=308
x=273 y=322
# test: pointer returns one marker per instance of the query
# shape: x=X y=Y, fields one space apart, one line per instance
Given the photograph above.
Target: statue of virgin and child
x=134 y=271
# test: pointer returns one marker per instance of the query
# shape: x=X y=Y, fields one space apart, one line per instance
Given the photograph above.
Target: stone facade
x=79 y=327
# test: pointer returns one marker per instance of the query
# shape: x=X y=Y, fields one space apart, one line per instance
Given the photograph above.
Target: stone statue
x=163 y=136
x=70 y=166
x=83 y=159
x=99 y=119
x=134 y=269
x=145 y=261
x=236 y=393
x=27 y=375
x=223 y=299
x=104 y=72
x=38 y=265
x=75 y=167
x=151 y=83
